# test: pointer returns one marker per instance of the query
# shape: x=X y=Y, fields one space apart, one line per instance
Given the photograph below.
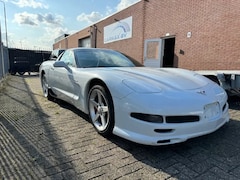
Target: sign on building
x=119 y=30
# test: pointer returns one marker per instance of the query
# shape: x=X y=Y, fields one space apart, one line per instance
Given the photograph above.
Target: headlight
x=218 y=90
x=220 y=93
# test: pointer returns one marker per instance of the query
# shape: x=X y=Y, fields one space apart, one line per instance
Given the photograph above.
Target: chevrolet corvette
x=151 y=106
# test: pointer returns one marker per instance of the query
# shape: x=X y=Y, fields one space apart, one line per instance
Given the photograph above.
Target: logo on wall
x=118 y=31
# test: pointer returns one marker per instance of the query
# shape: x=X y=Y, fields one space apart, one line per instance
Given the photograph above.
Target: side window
x=68 y=58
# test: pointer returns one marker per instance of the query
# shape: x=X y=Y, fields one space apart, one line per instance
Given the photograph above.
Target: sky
x=34 y=24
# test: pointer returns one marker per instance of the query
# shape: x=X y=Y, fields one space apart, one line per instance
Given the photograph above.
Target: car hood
x=164 y=78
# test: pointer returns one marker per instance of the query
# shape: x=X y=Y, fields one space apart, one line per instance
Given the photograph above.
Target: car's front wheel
x=101 y=110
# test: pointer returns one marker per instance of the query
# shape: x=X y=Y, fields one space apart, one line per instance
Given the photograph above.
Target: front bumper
x=167 y=133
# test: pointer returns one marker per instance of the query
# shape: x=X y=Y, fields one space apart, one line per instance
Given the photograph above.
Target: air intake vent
x=182 y=119
x=163 y=130
x=164 y=141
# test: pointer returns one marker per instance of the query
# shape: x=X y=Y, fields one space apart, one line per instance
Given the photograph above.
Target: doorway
x=85 y=42
x=159 y=52
x=168 y=57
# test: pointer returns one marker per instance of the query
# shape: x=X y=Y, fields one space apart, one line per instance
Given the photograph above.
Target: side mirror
x=61 y=64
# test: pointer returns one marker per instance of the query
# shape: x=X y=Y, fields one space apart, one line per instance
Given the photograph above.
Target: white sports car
x=152 y=106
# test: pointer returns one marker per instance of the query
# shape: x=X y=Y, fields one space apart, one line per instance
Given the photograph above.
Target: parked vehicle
x=153 y=106
x=55 y=53
x=20 y=65
x=229 y=80
x=22 y=61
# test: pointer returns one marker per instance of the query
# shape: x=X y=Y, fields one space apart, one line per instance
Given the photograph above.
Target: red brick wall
x=72 y=40
x=61 y=44
x=133 y=46
x=214 y=24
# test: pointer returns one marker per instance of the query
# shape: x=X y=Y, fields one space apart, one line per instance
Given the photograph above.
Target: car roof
x=88 y=48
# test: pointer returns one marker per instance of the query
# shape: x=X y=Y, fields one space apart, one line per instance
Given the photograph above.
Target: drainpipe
x=93 y=36
x=143 y=26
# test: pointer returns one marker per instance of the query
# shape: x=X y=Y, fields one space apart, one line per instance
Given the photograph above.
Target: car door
x=63 y=77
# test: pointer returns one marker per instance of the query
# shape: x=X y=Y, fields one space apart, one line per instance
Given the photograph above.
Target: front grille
x=182 y=119
x=167 y=119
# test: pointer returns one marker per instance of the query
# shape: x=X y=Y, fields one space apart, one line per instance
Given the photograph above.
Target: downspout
x=143 y=28
x=95 y=36
x=66 y=43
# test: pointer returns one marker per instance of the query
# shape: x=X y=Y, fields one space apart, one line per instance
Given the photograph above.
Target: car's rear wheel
x=21 y=72
x=101 y=110
x=45 y=87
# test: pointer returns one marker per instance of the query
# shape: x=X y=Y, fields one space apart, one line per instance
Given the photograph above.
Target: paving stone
x=41 y=139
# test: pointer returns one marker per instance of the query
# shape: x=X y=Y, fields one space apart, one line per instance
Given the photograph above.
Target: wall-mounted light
x=189 y=34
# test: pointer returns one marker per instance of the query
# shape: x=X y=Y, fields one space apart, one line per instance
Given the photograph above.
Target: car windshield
x=87 y=58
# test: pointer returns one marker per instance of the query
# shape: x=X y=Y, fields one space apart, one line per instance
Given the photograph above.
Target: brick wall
x=214 y=25
x=72 y=40
x=132 y=46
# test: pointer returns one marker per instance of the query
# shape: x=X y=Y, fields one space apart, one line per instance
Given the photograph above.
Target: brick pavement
x=41 y=139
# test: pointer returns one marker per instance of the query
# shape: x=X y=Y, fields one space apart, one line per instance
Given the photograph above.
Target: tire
x=45 y=87
x=101 y=110
x=21 y=73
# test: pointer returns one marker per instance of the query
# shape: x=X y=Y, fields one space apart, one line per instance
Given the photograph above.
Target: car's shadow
x=214 y=155
x=70 y=107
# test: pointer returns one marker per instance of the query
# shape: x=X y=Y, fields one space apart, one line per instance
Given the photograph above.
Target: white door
x=153 y=52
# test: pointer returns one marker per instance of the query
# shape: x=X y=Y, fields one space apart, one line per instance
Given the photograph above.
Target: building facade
x=196 y=35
